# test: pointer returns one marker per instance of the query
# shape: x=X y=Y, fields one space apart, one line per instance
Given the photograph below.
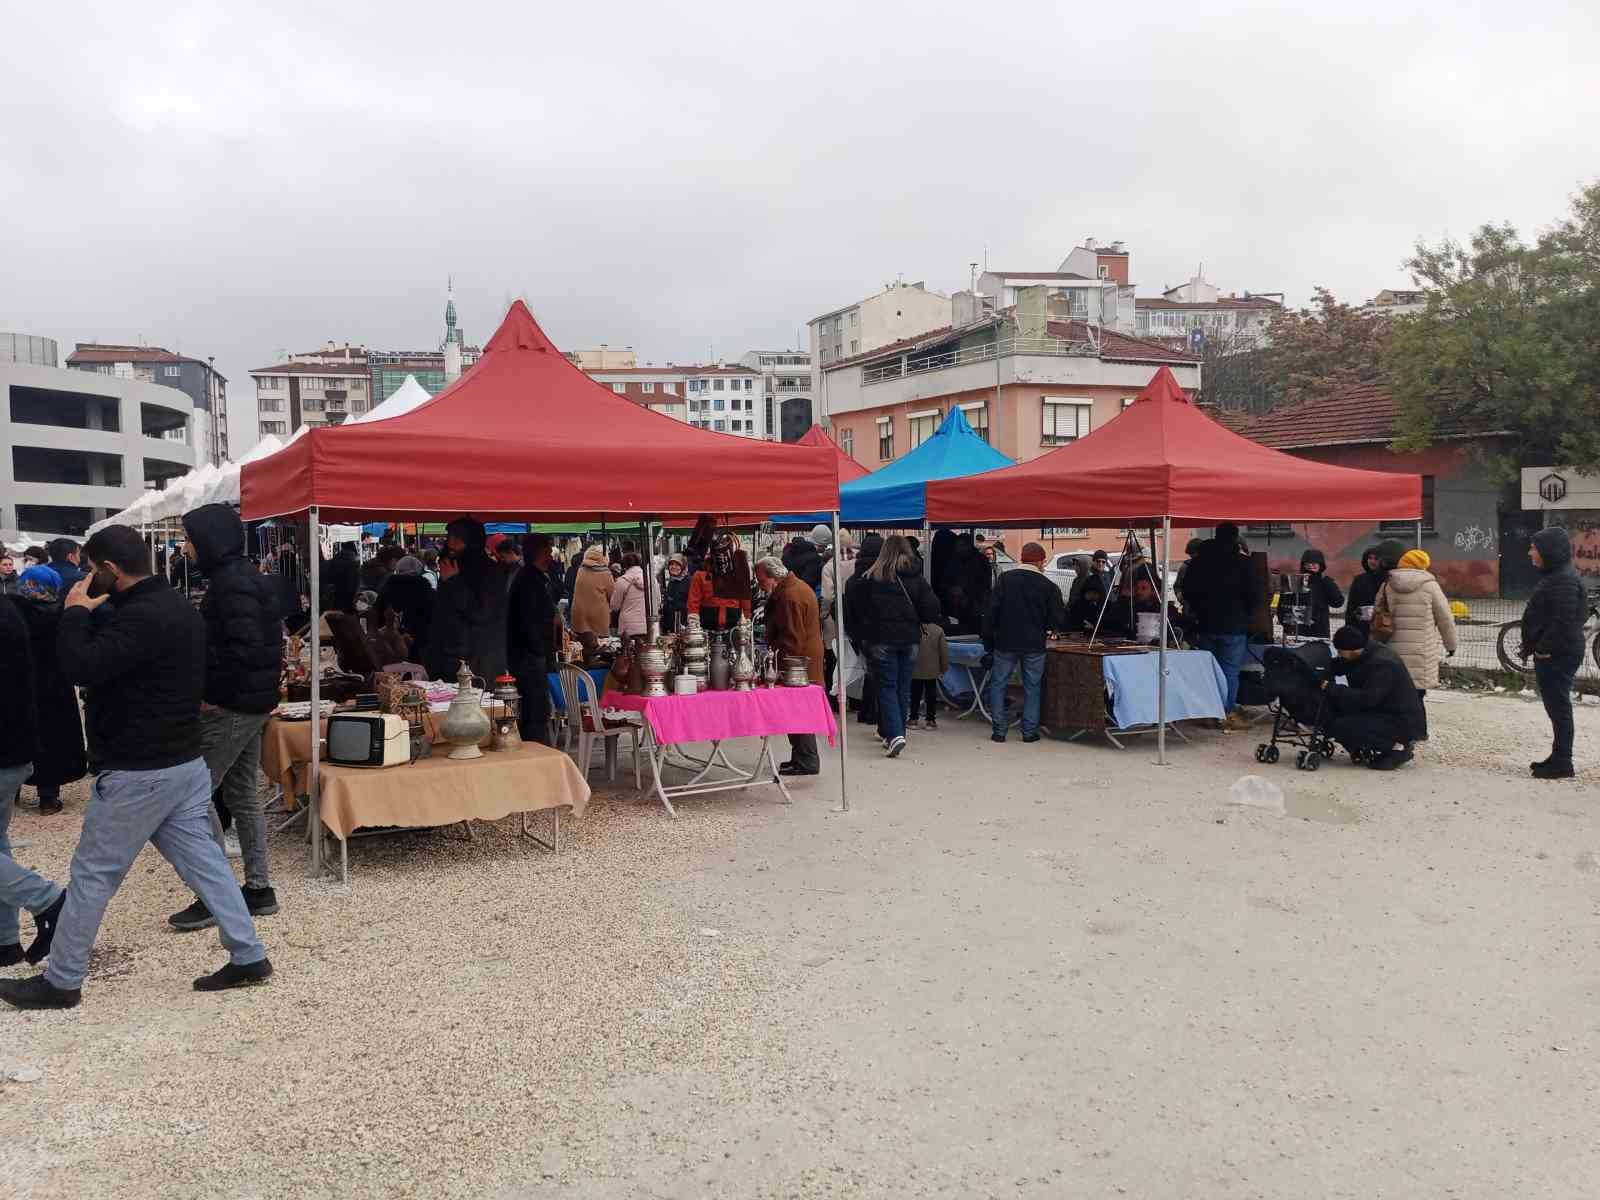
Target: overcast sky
x=239 y=179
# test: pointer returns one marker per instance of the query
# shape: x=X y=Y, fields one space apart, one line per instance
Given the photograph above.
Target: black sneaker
x=192 y=919
x=262 y=902
x=1551 y=769
x=789 y=769
x=997 y=737
x=11 y=955
x=38 y=992
x=894 y=747
x=44 y=925
x=1030 y=737
x=1392 y=760
x=234 y=976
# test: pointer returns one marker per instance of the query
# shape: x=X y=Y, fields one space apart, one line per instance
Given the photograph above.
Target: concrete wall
x=1464 y=543
x=140 y=456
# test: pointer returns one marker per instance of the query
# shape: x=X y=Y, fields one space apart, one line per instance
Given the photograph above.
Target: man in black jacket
x=19 y=887
x=1024 y=609
x=1378 y=714
x=1219 y=595
x=1324 y=597
x=1552 y=634
x=145 y=671
x=1364 y=591
x=530 y=627
x=244 y=658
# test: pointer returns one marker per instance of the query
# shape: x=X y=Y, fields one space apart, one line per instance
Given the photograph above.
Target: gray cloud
x=238 y=179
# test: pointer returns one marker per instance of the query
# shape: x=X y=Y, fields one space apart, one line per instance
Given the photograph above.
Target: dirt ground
x=1051 y=970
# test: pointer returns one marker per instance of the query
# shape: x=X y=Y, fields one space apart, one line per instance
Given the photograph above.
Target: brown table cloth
x=441 y=791
x=286 y=750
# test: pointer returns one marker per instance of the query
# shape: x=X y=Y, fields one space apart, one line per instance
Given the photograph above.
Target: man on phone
x=144 y=669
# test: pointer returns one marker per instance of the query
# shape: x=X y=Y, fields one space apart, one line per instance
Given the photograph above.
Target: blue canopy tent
x=895 y=496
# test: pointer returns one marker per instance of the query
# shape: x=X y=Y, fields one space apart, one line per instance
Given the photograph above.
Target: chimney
x=1088 y=243
x=1116 y=248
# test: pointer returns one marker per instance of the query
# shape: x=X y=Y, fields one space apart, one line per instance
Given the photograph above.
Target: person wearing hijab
x=59 y=757
x=407 y=591
x=590 y=615
x=1424 y=629
x=1325 y=596
x=1363 y=593
x=721 y=592
x=675 y=595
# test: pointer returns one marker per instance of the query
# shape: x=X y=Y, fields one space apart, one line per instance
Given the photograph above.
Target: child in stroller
x=1293 y=681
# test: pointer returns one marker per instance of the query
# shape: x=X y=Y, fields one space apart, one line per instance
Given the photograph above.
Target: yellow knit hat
x=1416 y=559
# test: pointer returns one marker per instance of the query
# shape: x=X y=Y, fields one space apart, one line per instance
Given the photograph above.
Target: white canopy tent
x=407 y=396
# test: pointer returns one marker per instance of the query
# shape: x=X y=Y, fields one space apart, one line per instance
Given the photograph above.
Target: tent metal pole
x=648 y=559
x=314 y=813
x=1161 y=655
x=838 y=662
x=1419 y=535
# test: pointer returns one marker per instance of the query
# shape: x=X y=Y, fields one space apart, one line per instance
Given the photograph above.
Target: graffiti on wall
x=1475 y=539
x=1585 y=537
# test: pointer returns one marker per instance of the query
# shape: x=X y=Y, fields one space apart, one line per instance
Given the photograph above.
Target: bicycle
x=1509 y=639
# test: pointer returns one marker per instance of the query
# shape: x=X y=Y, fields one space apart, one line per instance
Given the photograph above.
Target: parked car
x=1058 y=568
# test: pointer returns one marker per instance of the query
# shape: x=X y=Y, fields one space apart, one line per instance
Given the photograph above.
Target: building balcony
x=906 y=364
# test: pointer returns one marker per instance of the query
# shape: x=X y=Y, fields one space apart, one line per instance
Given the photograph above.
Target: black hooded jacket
x=1552 y=623
x=17 y=704
x=1380 y=685
x=469 y=613
x=58 y=756
x=1363 y=591
x=341 y=580
x=242 y=611
x=1325 y=596
x=803 y=559
x=1220 y=587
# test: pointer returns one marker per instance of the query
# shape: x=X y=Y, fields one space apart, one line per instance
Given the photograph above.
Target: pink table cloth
x=714 y=716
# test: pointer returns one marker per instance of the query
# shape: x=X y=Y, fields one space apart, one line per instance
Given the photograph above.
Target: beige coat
x=1423 y=627
x=591 y=600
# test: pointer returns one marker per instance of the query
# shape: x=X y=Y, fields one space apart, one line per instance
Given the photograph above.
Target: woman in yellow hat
x=1424 y=630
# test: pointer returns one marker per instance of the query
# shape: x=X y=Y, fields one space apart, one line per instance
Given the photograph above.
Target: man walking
x=1219 y=589
x=145 y=671
x=1025 y=607
x=244 y=656
x=1552 y=634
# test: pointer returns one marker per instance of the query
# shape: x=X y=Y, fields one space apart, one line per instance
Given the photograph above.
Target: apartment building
x=662 y=389
x=603 y=359
x=785 y=396
x=1026 y=379
x=319 y=387
x=900 y=311
x=77 y=446
x=1196 y=312
x=196 y=378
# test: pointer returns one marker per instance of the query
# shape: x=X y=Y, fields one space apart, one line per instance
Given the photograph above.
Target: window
x=619 y=388
x=649 y=387
x=717 y=384
x=720 y=426
x=921 y=426
x=274 y=427
x=885 y=438
x=1126 y=401
x=1404 y=527
x=749 y=384
x=978 y=417
x=855 y=317
x=311 y=403
x=749 y=403
x=717 y=404
x=855 y=346
x=270 y=404
x=269 y=383
x=1065 y=421
x=847 y=441
x=172 y=372
x=1103 y=271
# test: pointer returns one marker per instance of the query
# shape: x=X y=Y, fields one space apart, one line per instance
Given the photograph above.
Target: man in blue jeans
x=1024 y=609
x=19 y=887
x=144 y=670
x=1220 y=594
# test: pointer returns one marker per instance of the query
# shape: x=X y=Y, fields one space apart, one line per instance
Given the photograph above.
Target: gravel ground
x=1042 y=970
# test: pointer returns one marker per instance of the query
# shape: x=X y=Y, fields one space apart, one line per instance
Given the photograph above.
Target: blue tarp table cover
x=1194 y=687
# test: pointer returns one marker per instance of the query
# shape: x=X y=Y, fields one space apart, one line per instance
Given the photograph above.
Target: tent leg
x=838 y=663
x=1419 y=535
x=314 y=810
x=1161 y=655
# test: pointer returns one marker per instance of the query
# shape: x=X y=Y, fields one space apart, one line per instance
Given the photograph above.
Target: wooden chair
x=584 y=717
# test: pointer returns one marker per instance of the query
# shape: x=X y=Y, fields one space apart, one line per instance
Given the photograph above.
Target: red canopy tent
x=849 y=468
x=1164 y=459
x=1164 y=462
x=525 y=433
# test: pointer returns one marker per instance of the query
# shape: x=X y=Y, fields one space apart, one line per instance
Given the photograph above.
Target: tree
x=1306 y=354
x=1509 y=342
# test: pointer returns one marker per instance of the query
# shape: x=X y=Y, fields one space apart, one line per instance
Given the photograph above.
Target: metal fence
x=1478 y=633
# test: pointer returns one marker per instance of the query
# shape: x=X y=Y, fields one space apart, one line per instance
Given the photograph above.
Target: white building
x=321 y=387
x=900 y=311
x=1196 y=312
x=78 y=446
x=786 y=408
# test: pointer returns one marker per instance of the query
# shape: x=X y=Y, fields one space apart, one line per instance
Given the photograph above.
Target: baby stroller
x=1293 y=681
